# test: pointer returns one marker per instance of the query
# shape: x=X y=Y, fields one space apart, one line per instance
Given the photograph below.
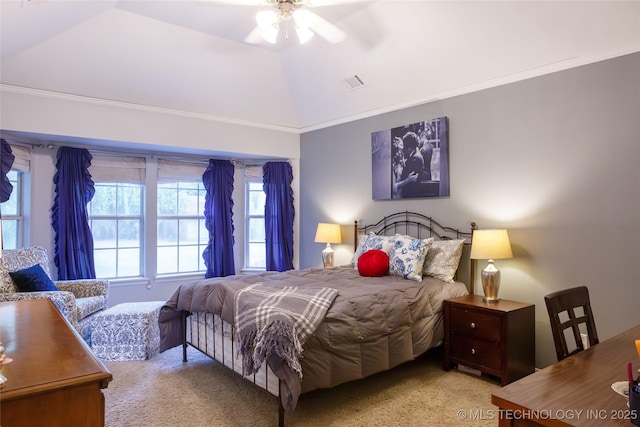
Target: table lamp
x=328 y=233
x=490 y=245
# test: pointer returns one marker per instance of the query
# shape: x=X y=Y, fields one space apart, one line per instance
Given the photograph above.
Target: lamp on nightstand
x=490 y=245
x=328 y=233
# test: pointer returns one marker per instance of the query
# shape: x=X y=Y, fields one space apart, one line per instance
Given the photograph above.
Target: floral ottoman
x=127 y=331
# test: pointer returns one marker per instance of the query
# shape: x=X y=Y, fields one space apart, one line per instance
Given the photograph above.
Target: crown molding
x=553 y=67
x=60 y=96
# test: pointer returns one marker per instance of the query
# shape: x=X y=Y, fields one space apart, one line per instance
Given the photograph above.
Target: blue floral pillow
x=362 y=238
x=407 y=255
x=381 y=243
x=32 y=279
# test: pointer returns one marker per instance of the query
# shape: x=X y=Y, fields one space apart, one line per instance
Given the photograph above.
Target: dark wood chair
x=570 y=315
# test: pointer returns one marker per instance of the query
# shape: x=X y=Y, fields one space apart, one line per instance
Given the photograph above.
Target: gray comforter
x=373 y=324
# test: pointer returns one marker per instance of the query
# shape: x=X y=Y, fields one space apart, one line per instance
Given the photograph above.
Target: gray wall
x=554 y=159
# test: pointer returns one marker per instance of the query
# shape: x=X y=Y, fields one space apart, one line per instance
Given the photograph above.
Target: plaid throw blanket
x=276 y=322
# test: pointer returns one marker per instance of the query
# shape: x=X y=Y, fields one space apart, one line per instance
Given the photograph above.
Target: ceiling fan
x=281 y=13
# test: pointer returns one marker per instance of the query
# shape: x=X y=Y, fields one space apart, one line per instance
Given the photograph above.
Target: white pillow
x=443 y=259
x=407 y=255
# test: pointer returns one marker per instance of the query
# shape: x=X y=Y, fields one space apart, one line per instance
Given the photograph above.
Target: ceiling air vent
x=353 y=82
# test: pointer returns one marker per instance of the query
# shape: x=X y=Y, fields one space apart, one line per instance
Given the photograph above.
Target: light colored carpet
x=163 y=391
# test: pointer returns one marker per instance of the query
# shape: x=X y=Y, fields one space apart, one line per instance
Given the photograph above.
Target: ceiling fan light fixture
x=268 y=23
x=302 y=17
x=304 y=34
x=267 y=19
x=306 y=23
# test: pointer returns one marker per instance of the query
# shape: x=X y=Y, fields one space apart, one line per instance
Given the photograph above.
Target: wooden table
x=575 y=391
x=54 y=379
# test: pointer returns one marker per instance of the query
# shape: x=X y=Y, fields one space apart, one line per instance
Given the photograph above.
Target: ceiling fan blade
x=254 y=37
x=320 y=26
x=236 y=2
x=318 y=3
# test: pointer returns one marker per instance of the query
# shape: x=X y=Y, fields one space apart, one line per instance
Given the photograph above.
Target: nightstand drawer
x=484 y=354
x=474 y=324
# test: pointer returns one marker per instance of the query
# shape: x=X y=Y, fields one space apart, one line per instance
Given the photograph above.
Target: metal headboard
x=422 y=227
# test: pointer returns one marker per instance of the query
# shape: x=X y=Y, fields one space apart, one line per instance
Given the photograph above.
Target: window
x=13 y=209
x=182 y=235
x=115 y=218
x=12 y=220
x=255 y=246
x=116 y=215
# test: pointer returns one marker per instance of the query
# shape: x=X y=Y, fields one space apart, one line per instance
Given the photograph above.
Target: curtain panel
x=218 y=213
x=6 y=163
x=278 y=215
x=74 y=189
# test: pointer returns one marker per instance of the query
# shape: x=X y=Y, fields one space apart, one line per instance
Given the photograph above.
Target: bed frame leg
x=183 y=325
x=280 y=413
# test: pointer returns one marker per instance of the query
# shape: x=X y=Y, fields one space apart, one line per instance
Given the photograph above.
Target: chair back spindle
x=571 y=315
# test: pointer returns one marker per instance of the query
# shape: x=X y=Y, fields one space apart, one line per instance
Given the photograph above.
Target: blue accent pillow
x=32 y=279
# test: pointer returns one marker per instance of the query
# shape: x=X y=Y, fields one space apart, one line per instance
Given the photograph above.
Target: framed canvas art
x=411 y=161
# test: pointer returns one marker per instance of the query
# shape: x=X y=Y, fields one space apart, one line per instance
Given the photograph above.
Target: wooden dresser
x=54 y=379
x=496 y=338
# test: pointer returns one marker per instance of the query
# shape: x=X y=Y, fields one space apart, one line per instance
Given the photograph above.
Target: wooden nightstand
x=495 y=338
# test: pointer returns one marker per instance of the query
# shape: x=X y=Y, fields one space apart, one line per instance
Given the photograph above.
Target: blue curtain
x=73 y=239
x=7 y=158
x=218 y=214
x=278 y=215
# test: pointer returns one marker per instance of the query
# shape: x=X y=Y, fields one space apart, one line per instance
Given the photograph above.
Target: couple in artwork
x=411 y=164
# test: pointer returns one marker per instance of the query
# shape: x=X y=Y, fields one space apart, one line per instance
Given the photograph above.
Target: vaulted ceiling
x=190 y=56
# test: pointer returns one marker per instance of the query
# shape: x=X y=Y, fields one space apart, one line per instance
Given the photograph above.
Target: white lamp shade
x=328 y=233
x=491 y=244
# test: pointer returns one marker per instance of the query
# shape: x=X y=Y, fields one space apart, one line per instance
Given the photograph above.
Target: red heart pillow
x=373 y=263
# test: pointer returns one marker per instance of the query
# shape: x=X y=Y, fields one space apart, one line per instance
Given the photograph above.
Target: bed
x=352 y=325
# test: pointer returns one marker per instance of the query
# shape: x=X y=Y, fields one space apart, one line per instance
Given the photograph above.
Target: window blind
x=172 y=170
x=22 y=161
x=253 y=173
x=118 y=169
